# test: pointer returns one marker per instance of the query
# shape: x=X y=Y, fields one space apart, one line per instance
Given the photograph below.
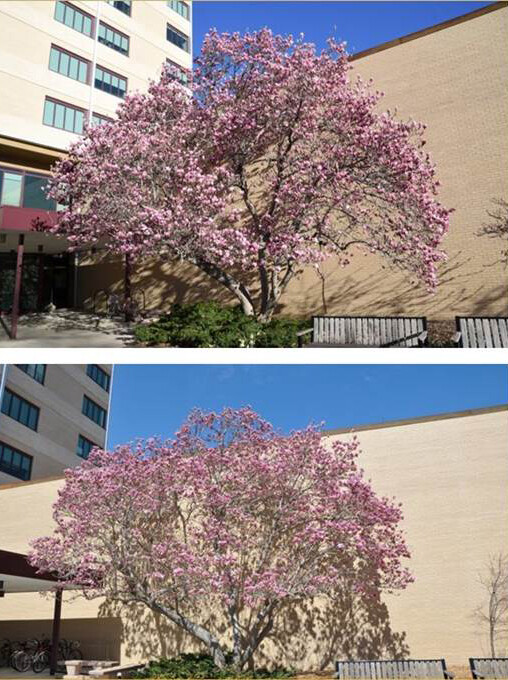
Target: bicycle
x=118 y=306
x=41 y=657
x=70 y=650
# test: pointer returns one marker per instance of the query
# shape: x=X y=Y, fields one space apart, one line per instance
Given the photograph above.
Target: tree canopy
x=231 y=517
x=275 y=158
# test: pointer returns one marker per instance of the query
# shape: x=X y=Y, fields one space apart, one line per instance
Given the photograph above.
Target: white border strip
x=163 y=355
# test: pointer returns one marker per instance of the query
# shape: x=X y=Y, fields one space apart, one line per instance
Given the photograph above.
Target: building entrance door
x=45 y=280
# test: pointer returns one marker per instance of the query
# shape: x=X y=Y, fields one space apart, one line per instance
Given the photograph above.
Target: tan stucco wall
x=455 y=81
x=451 y=476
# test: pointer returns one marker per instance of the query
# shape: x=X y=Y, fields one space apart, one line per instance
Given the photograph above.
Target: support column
x=40 y=278
x=55 y=635
x=17 y=287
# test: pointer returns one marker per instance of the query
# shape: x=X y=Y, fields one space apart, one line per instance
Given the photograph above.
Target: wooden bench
x=366 y=331
x=115 y=671
x=489 y=668
x=410 y=668
x=481 y=331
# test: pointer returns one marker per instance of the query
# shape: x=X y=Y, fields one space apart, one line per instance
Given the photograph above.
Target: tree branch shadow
x=306 y=635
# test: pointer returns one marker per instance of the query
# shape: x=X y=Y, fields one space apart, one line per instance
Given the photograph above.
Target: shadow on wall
x=472 y=282
x=361 y=289
x=366 y=287
x=317 y=634
x=311 y=635
x=98 y=638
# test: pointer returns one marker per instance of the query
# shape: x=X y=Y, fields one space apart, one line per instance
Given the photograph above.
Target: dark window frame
x=79 y=11
x=14 y=171
x=104 y=119
x=95 y=368
x=114 y=74
x=65 y=104
x=115 y=30
x=24 y=367
x=22 y=400
x=87 y=441
x=103 y=412
x=113 y=3
x=75 y=56
x=180 y=69
x=9 y=469
x=182 y=2
x=170 y=27
x=23 y=173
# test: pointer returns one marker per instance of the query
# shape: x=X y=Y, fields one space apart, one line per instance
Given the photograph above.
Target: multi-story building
x=50 y=417
x=63 y=64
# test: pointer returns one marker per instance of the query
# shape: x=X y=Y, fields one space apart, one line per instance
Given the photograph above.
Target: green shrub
x=208 y=324
x=280 y=332
x=202 y=666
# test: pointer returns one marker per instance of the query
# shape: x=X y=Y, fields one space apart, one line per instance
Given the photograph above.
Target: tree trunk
x=194 y=629
x=237 y=642
x=272 y=288
x=127 y=290
x=492 y=632
x=238 y=289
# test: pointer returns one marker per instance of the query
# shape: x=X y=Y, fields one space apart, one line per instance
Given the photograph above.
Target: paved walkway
x=67 y=328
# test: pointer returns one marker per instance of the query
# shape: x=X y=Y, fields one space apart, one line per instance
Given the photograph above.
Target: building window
x=177 y=72
x=35 y=371
x=112 y=38
x=20 y=409
x=98 y=119
x=94 y=412
x=14 y=462
x=34 y=193
x=24 y=189
x=63 y=116
x=123 y=5
x=177 y=38
x=99 y=376
x=84 y=447
x=74 y=18
x=68 y=64
x=11 y=188
x=110 y=82
x=180 y=7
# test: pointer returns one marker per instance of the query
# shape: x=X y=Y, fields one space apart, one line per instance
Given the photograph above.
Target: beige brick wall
x=451 y=476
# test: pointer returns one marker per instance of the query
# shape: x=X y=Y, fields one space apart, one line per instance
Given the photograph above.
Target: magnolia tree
x=231 y=518
x=274 y=159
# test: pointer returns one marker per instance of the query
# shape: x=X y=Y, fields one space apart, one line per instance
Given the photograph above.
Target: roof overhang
x=35 y=156
x=18 y=576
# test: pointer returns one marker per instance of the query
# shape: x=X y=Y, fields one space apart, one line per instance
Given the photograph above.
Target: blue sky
x=155 y=399
x=361 y=24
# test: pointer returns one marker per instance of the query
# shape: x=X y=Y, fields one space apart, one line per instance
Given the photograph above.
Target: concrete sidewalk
x=67 y=328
